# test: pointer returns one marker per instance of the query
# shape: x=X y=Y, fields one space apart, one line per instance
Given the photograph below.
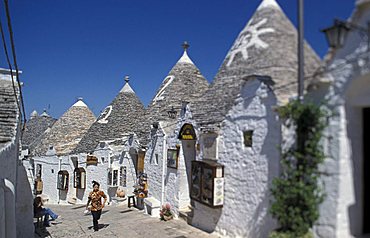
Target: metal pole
x=300 y=50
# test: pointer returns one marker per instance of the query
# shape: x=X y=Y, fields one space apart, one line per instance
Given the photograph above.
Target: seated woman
x=38 y=210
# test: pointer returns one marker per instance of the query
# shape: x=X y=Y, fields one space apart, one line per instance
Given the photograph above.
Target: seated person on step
x=39 y=210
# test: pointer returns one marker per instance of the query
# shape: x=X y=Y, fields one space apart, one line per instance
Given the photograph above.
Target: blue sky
x=75 y=48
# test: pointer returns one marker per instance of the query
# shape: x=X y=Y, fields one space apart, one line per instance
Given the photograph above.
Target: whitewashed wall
x=341 y=212
x=248 y=171
x=17 y=215
x=153 y=164
x=50 y=168
x=170 y=185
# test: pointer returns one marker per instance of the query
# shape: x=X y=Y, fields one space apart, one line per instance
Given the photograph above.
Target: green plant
x=277 y=234
x=297 y=194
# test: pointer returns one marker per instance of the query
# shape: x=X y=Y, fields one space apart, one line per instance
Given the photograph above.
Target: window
x=80 y=178
x=248 y=138
x=117 y=177
x=172 y=158
x=63 y=179
x=209 y=145
x=155 y=160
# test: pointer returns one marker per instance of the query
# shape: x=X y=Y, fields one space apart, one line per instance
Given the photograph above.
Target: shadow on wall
x=204 y=217
x=63 y=195
x=354 y=211
x=80 y=193
x=358 y=133
x=24 y=204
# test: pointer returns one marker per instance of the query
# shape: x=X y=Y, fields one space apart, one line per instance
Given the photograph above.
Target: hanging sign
x=91 y=160
x=187 y=132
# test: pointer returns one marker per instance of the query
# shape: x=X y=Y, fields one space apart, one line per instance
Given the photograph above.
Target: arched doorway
x=188 y=153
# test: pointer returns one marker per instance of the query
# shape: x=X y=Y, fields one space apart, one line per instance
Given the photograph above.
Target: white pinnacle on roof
x=127 y=88
x=44 y=114
x=268 y=3
x=79 y=103
x=34 y=114
x=185 y=59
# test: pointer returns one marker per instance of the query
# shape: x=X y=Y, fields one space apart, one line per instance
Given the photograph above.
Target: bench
x=152 y=206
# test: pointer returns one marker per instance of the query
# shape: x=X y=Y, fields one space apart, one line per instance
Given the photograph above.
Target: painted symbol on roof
x=167 y=81
x=104 y=115
x=248 y=38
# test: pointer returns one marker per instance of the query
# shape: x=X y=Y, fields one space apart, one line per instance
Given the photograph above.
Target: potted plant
x=165 y=213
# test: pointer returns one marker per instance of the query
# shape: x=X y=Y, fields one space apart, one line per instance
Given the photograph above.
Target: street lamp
x=337 y=34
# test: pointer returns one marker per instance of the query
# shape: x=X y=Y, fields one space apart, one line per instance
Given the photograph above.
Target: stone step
x=186 y=215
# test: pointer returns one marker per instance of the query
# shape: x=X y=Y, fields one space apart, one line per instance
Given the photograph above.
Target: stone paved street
x=116 y=221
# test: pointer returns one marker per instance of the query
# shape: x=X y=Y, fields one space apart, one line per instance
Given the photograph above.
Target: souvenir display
x=207 y=183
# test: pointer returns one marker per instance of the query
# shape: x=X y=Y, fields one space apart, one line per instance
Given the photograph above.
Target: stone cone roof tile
x=9 y=114
x=35 y=127
x=124 y=115
x=184 y=82
x=67 y=131
x=266 y=46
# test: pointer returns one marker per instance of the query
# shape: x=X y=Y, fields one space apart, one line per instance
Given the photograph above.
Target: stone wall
x=154 y=163
x=20 y=207
x=248 y=171
x=346 y=95
x=99 y=173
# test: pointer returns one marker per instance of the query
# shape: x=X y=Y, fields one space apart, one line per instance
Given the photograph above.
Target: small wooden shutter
x=140 y=162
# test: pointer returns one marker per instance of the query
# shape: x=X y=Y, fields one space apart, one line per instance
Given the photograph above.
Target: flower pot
x=167 y=218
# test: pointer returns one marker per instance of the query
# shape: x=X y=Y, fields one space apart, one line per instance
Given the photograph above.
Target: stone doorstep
x=187 y=215
x=152 y=206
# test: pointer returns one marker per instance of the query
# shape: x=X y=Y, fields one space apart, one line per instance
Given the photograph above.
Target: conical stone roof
x=184 y=82
x=124 y=115
x=9 y=114
x=35 y=127
x=266 y=46
x=67 y=131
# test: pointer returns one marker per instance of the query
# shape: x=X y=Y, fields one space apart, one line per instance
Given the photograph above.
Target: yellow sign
x=187 y=132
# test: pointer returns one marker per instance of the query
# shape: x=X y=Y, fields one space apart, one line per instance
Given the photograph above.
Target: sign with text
x=187 y=132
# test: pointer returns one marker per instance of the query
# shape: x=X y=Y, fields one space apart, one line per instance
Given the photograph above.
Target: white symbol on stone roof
x=167 y=81
x=248 y=38
x=104 y=115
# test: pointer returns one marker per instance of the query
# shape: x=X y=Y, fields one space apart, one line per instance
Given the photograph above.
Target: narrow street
x=116 y=221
